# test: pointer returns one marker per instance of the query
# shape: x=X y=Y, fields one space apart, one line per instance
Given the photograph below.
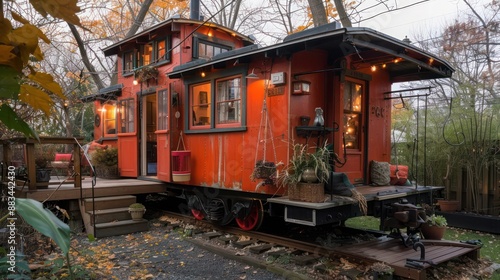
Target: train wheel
x=254 y=218
x=197 y=214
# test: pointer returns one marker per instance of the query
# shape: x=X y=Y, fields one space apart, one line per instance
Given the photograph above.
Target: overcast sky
x=417 y=19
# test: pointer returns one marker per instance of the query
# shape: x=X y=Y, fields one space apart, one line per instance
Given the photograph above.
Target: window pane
x=352 y=114
x=147 y=54
x=162 y=110
x=160 y=53
x=109 y=118
x=200 y=97
x=201 y=50
x=128 y=62
x=229 y=101
x=127 y=115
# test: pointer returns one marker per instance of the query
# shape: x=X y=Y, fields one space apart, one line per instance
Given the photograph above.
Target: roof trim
x=111 y=92
x=113 y=49
x=321 y=33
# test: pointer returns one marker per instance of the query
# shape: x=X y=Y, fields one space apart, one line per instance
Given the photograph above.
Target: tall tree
x=466 y=106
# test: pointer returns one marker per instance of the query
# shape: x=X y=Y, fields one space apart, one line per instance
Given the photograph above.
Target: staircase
x=111 y=216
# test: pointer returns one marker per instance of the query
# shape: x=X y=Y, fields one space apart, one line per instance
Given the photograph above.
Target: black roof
x=366 y=46
x=107 y=93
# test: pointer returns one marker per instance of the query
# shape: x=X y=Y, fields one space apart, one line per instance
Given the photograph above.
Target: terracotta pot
x=449 y=205
x=432 y=232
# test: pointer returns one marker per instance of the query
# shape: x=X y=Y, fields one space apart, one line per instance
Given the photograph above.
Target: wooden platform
x=371 y=193
x=394 y=253
x=103 y=187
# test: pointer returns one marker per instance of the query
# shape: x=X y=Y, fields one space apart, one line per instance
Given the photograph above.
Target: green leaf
x=9 y=82
x=44 y=221
x=13 y=121
x=91 y=237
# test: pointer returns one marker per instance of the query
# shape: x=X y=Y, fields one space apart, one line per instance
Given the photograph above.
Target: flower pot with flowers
x=145 y=73
x=43 y=156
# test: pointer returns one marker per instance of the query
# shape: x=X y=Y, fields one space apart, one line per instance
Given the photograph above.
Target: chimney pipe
x=195 y=9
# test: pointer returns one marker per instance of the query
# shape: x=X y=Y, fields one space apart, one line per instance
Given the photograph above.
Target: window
x=162 y=46
x=109 y=113
x=162 y=110
x=352 y=114
x=200 y=105
x=128 y=62
x=206 y=49
x=147 y=55
x=127 y=115
x=228 y=108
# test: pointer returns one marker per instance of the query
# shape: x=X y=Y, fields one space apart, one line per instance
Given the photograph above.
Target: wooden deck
x=103 y=187
x=394 y=253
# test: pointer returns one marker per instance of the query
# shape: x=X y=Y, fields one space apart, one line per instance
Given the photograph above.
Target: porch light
x=252 y=75
x=301 y=87
x=135 y=82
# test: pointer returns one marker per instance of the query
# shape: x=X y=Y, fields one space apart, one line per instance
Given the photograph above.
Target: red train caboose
x=210 y=106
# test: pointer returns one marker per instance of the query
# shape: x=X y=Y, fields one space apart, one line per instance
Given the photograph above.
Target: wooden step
x=110 y=202
x=120 y=227
x=110 y=215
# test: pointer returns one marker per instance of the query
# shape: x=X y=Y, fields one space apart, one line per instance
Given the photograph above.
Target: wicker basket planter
x=307 y=192
x=264 y=170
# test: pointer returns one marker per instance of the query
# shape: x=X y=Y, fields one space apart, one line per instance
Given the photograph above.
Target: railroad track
x=308 y=256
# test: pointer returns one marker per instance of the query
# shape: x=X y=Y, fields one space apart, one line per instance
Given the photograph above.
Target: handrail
x=94 y=182
x=29 y=144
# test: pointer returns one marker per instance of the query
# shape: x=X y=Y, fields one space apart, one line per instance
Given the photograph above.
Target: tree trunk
x=344 y=18
x=318 y=12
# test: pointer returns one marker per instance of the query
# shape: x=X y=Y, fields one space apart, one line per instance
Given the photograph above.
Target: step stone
x=110 y=202
x=110 y=215
x=120 y=227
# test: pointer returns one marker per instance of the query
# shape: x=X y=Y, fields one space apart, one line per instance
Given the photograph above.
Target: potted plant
x=306 y=173
x=43 y=156
x=434 y=227
x=264 y=170
x=381 y=271
x=106 y=162
x=136 y=210
x=145 y=73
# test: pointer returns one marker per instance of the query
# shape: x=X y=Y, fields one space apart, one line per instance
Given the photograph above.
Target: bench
x=62 y=162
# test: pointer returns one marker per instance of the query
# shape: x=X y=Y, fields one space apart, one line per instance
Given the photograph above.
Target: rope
x=265 y=123
x=181 y=139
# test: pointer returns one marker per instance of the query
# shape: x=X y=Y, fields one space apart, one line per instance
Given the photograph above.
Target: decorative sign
x=276 y=91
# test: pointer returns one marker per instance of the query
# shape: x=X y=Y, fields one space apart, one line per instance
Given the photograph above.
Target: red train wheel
x=254 y=219
x=197 y=214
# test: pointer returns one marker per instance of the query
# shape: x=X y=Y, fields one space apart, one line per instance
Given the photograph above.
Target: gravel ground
x=160 y=254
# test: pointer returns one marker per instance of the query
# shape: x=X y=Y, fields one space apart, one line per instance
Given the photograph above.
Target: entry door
x=163 y=136
x=353 y=116
x=128 y=144
x=149 y=143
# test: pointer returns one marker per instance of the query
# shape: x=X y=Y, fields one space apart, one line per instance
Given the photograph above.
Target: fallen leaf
x=190 y=249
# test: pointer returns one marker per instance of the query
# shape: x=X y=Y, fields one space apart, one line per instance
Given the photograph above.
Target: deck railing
x=29 y=158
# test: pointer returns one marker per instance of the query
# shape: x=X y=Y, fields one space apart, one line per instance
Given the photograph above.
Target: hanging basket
x=264 y=170
x=181 y=162
x=181 y=166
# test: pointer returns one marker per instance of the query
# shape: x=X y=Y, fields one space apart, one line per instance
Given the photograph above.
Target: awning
x=109 y=93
